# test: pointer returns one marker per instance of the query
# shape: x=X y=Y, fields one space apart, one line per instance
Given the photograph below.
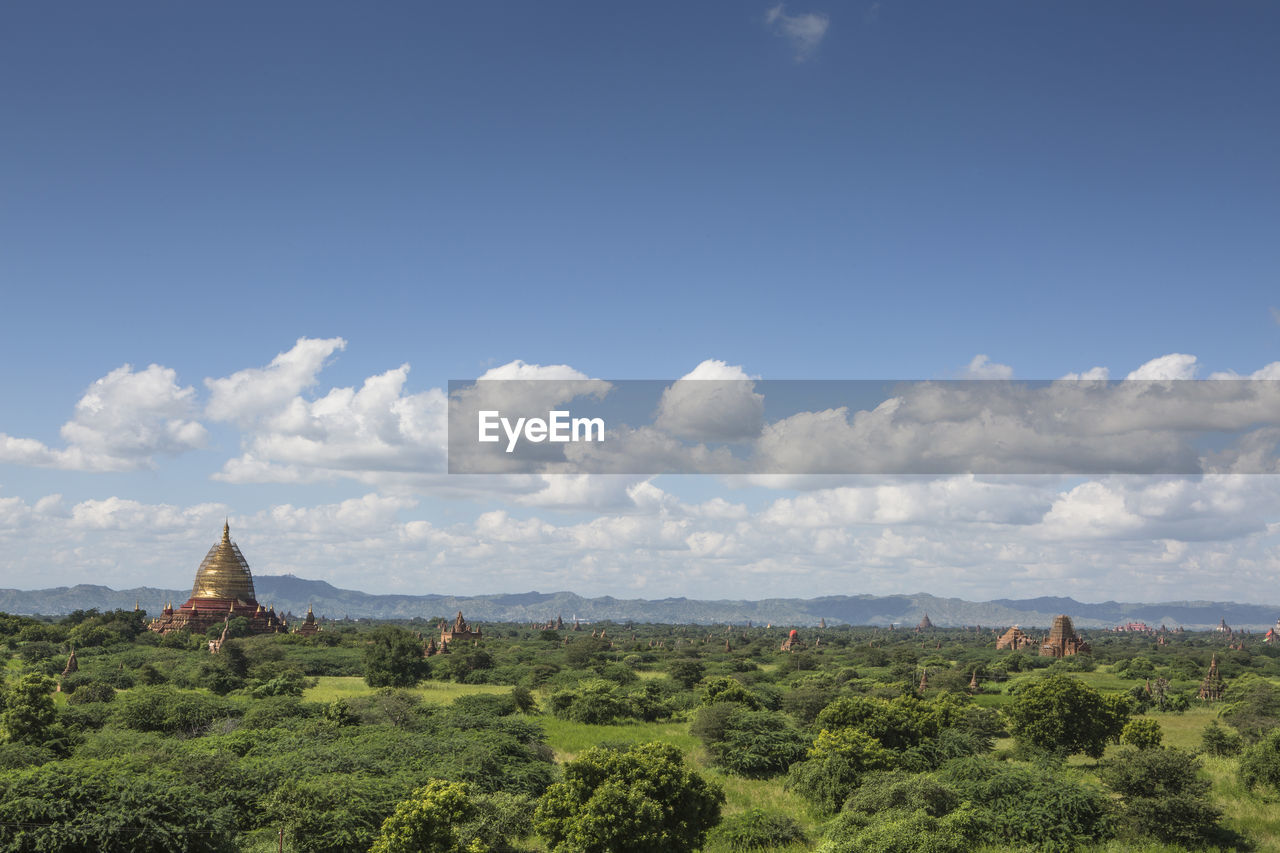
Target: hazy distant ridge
x=288 y=593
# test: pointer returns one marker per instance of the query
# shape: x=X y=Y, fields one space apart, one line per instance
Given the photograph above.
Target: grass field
x=329 y=688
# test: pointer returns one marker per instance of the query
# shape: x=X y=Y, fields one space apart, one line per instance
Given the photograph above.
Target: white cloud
x=249 y=394
x=1093 y=374
x=1126 y=538
x=982 y=367
x=360 y=433
x=715 y=401
x=804 y=32
x=121 y=423
x=1270 y=371
x=1172 y=366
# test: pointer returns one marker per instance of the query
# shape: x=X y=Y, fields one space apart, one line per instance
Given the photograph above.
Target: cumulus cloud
x=1093 y=374
x=967 y=536
x=715 y=401
x=359 y=433
x=804 y=32
x=249 y=394
x=982 y=367
x=1167 y=367
x=121 y=423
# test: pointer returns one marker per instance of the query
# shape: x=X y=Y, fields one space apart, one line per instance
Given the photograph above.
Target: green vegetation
x=650 y=737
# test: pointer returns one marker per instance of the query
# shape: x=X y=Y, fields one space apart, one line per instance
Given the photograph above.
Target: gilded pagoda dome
x=224 y=573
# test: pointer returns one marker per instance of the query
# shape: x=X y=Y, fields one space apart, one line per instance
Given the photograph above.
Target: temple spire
x=226 y=530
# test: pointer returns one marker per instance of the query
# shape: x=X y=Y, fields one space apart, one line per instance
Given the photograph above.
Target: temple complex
x=1063 y=640
x=223 y=590
x=1014 y=639
x=925 y=623
x=793 y=642
x=460 y=630
x=309 y=626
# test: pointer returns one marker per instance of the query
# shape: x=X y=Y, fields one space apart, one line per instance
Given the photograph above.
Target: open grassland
x=329 y=688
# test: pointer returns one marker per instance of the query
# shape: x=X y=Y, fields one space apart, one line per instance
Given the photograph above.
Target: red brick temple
x=223 y=591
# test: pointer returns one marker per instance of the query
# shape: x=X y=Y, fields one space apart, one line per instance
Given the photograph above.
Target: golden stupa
x=224 y=573
x=223 y=590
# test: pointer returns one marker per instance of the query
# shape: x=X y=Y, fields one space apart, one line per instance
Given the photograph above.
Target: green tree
x=1142 y=733
x=109 y=805
x=1260 y=764
x=429 y=822
x=1216 y=740
x=393 y=658
x=1030 y=808
x=1063 y=714
x=1164 y=794
x=642 y=800
x=836 y=764
x=29 y=714
x=686 y=672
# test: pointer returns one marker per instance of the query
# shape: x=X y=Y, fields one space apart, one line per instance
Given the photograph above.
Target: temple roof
x=224 y=573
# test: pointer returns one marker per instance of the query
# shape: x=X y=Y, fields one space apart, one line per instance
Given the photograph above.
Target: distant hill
x=293 y=594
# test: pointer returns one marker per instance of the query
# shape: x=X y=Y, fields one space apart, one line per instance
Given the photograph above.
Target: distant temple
x=793 y=642
x=1014 y=639
x=460 y=630
x=1063 y=640
x=925 y=624
x=223 y=590
x=1213 y=685
x=309 y=626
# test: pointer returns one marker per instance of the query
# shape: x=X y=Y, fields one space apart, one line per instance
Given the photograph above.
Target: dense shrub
x=642 y=799
x=1260 y=764
x=1041 y=808
x=94 y=691
x=1216 y=740
x=751 y=743
x=1142 y=733
x=757 y=829
x=1164 y=795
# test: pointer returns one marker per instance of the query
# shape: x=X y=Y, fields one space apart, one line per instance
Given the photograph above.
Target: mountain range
x=291 y=594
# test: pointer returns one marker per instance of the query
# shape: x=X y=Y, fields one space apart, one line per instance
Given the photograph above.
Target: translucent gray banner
x=934 y=427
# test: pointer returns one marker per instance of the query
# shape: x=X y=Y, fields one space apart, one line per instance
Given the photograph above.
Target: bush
x=644 y=800
x=757 y=829
x=835 y=766
x=899 y=831
x=1142 y=733
x=752 y=743
x=888 y=790
x=1260 y=765
x=1163 y=794
x=1219 y=741
x=1030 y=807
x=1254 y=707
x=94 y=691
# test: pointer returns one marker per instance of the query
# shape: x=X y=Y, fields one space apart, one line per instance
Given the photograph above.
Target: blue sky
x=806 y=191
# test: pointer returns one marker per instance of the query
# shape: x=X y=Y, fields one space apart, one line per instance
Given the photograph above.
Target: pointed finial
x=226 y=530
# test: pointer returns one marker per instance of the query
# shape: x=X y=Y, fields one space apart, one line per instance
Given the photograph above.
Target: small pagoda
x=1213 y=685
x=223 y=590
x=925 y=624
x=309 y=627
